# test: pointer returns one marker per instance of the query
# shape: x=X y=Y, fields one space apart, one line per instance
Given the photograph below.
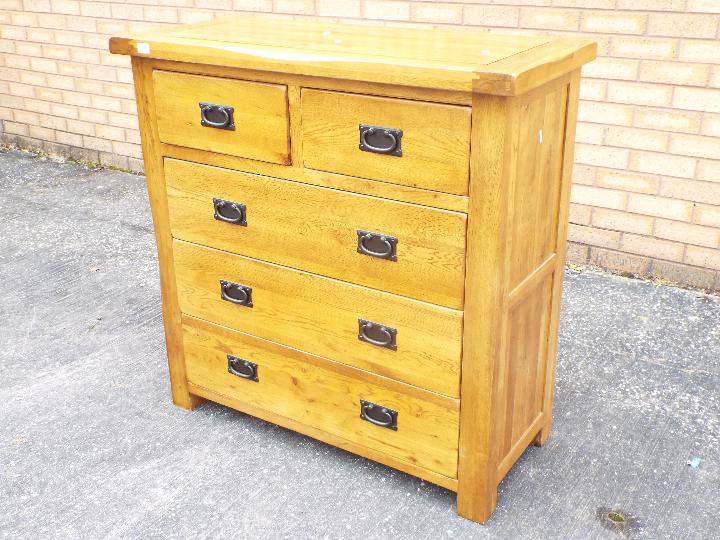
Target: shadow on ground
x=91 y=447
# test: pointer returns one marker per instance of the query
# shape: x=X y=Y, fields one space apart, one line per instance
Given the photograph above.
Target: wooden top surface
x=442 y=58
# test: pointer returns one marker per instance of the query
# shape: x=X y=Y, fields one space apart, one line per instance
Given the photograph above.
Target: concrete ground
x=91 y=446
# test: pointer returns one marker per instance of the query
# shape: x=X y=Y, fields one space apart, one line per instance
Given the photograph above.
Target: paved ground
x=91 y=447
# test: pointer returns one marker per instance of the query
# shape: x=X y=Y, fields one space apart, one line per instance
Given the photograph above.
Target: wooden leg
x=188 y=401
x=542 y=436
x=172 y=317
x=477 y=505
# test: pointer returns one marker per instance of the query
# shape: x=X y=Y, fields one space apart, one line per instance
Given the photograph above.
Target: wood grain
x=395 y=192
x=573 y=91
x=536 y=196
x=417 y=93
x=443 y=58
x=320 y=316
x=510 y=337
x=315 y=229
x=435 y=141
x=480 y=195
x=311 y=391
x=142 y=72
x=260 y=114
x=495 y=120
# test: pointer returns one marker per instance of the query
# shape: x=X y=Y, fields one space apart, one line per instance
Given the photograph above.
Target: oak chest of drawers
x=361 y=232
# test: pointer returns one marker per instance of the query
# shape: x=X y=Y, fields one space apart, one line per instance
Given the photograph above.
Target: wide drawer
x=323 y=316
x=227 y=116
x=413 y=143
x=321 y=230
x=324 y=395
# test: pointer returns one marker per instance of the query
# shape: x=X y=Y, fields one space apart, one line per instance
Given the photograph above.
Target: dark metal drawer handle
x=217 y=116
x=377 y=334
x=236 y=293
x=230 y=212
x=377 y=245
x=245 y=369
x=378 y=415
x=381 y=140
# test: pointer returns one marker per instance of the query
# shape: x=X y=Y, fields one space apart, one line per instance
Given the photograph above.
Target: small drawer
x=356 y=406
x=406 y=340
x=424 y=145
x=402 y=248
x=226 y=116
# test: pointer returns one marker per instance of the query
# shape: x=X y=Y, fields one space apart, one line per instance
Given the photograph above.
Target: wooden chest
x=361 y=232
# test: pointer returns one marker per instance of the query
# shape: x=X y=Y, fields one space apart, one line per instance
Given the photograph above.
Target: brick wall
x=646 y=194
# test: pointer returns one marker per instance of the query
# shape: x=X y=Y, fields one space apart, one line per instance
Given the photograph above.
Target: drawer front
x=323 y=316
x=316 y=229
x=432 y=152
x=221 y=115
x=316 y=393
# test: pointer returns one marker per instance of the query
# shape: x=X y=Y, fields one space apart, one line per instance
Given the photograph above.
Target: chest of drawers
x=361 y=232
